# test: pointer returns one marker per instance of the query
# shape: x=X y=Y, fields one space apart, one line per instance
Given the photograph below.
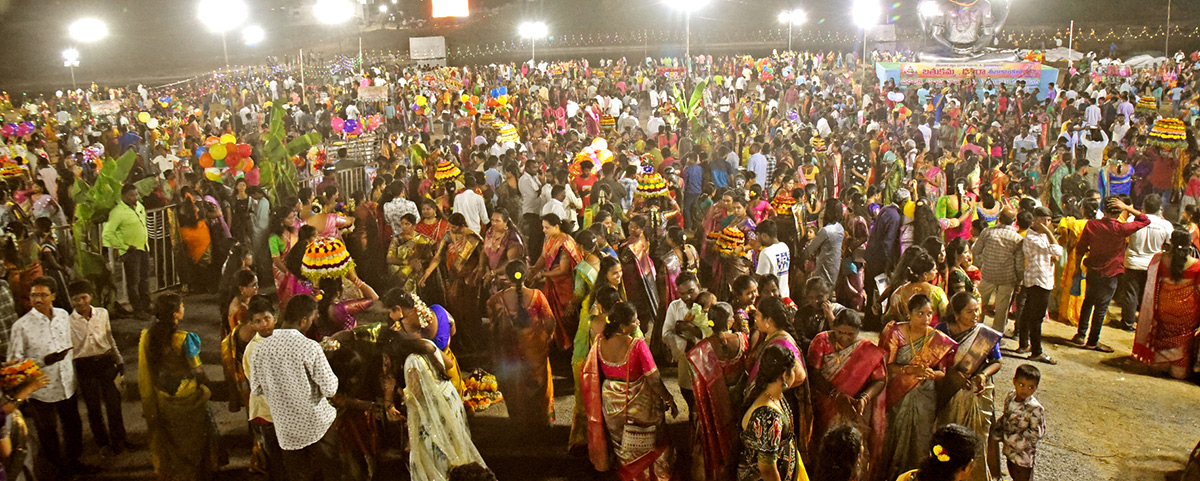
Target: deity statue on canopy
x=965 y=27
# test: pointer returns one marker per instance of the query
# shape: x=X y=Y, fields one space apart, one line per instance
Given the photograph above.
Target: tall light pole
x=221 y=16
x=866 y=15
x=792 y=17
x=533 y=31
x=688 y=6
x=71 y=60
x=1167 y=45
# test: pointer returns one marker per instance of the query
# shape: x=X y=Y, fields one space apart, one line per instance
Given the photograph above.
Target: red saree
x=934 y=352
x=560 y=291
x=849 y=374
x=715 y=418
x=1167 y=322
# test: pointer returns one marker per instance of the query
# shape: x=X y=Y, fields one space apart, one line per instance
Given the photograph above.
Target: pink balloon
x=337 y=123
x=364 y=83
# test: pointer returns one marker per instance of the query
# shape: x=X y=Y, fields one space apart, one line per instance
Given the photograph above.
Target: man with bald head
x=1001 y=263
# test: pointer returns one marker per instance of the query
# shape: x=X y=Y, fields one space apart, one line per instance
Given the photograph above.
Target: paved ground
x=1109 y=417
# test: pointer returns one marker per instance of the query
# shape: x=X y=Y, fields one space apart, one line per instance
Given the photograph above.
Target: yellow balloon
x=213 y=174
x=228 y=139
x=144 y=117
x=421 y=100
x=465 y=98
x=503 y=100
x=218 y=151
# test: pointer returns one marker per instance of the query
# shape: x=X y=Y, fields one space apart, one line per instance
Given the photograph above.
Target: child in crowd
x=1020 y=427
x=98 y=365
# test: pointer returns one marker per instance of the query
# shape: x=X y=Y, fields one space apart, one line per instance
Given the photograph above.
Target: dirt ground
x=1109 y=417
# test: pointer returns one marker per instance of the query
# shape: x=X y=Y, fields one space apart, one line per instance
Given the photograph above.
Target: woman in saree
x=773 y=324
x=956 y=206
x=461 y=264
x=338 y=308
x=237 y=334
x=409 y=253
x=1070 y=300
x=328 y=221
x=284 y=235
x=1167 y=328
x=411 y=315
x=522 y=326
x=920 y=275
x=22 y=262
x=848 y=389
x=501 y=244
x=967 y=395
x=184 y=442
x=739 y=218
x=712 y=220
x=961 y=273
x=917 y=357
x=849 y=288
x=624 y=398
x=768 y=434
x=681 y=257
x=432 y=225
x=438 y=435
x=555 y=267
x=718 y=364
x=588 y=268
x=641 y=278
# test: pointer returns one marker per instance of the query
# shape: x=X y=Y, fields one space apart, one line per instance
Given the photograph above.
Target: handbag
x=635 y=438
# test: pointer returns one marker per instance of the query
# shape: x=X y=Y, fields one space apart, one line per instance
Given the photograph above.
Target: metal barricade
x=162 y=233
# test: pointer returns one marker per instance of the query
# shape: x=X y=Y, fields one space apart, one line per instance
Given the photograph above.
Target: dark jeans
x=46 y=417
x=1129 y=296
x=271 y=450
x=1029 y=329
x=317 y=461
x=689 y=205
x=137 y=278
x=1095 y=305
x=97 y=376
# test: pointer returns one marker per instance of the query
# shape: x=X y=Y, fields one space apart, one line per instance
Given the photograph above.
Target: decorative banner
x=373 y=94
x=912 y=73
x=106 y=107
x=672 y=73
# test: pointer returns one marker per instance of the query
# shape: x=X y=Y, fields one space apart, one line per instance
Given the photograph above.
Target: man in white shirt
x=1041 y=251
x=757 y=164
x=1092 y=113
x=775 y=258
x=470 y=204
x=530 y=186
x=678 y=330
x=97 y=362
x=554 y=205
x=44 y=335
x=291 y=372
x=1143 y=244
x=1095 y=139
x=261 y=313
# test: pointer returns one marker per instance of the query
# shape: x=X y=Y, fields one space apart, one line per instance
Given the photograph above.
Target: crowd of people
x=741 y=237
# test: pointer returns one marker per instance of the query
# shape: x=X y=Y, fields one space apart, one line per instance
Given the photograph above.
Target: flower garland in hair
x=425 y=315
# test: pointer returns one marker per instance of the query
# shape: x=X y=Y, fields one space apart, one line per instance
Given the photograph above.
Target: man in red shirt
x=1103 y=241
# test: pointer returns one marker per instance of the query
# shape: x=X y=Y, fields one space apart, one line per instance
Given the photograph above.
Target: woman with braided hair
x=522 y=328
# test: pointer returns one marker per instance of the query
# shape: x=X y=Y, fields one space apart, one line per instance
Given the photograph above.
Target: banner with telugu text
x=915 y=73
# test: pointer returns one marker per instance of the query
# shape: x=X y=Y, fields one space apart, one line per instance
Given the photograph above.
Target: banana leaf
x=92 y=204
x=276 y=171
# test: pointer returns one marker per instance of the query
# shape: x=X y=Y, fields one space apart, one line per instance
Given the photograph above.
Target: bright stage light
x=88 y=30
x=533 y=30
x=253 y=34
x=687 y=5
x=794 y=17
x=221 y=16
x=866 y=13
x=333 y=11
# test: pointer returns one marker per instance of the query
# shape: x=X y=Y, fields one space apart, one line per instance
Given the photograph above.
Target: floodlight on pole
x=687 y=7
x=253 y=35
x=866 y=14
x=533 y=31
x=383 y=9
x=929 y=9
x=71 y=60
x=333 y=11
x=792 y=17
x=221 y=16
x=88 y=30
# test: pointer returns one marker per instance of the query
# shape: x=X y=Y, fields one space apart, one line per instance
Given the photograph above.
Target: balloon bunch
x=222 y=155
x=349 y=127
x=498 y=100
x=470 y=105
x=13 y=129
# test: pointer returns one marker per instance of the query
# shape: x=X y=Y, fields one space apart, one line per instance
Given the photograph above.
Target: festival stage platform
x=903 y=74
